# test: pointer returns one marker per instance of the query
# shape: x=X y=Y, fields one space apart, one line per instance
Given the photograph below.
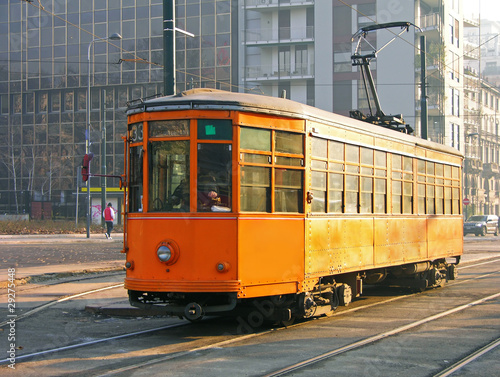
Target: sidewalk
x=24 y=275
x=6 y=239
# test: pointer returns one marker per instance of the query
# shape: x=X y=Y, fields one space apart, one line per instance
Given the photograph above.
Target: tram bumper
x=193 y=310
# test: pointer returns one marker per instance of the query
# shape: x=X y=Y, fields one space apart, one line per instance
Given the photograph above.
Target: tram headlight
x=167 y=252
x=164 y=253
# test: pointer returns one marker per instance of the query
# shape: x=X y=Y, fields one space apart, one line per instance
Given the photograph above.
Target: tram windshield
x=169 y=176
x=173 y=183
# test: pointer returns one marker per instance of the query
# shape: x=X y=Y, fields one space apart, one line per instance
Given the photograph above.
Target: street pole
x=169 y=47
x=423 y=108
x=114 y=36
x=103 y=154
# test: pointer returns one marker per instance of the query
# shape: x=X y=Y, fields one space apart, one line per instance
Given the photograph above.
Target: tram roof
x=213 y=99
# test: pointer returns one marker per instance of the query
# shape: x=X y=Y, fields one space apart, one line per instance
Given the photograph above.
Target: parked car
x=481 y=224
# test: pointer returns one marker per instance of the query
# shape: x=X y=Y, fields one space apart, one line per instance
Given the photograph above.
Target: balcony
x=278 y=35
x=268 y=4
x=471 y=51
x=271 y=72
x=490 y=170
x=473 y=165
x=431 y=22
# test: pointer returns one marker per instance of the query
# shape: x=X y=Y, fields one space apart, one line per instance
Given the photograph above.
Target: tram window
x=408 y=168
x=318 y=184
x=440 y=172
x=407 y=197
x=421 y=199
x=456 y=201
x=351 y=193
x=288 y=190
x=136 y=184
x=289 y=161
x=430 y=192
x=430 y=168
x=169 y=176
x=287 y=142
x=252 y=158
x=447 y=175
x=162 y=128
x=396 y=163
x=439 y=200
x=447 y=201
x=336 y=189
x=255 y=139
x=402 y=185
x=380 y=159
x=367 y=156
x=380 y=195
x=214 y=177
x=255 y=192
x=352 y=154
x=336 y=150
x=319 y=148
x=366 y=195
x=396 y=196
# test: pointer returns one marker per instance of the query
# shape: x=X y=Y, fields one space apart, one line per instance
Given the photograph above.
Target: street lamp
x=114 y=37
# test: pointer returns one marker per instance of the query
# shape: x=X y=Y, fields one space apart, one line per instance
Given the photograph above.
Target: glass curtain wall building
x=44 y=77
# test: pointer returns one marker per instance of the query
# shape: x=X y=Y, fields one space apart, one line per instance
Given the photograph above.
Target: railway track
x=338 y=351
x=238 y=338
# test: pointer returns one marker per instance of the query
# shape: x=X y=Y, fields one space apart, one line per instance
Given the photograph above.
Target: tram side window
x=438 y=188
x=288 y=189
x=135 y=185
x=402 y=184
x=169 y=176
x=455 y=174
x=255 y=193
x=319 y=166
x=335 y=177
x=214 y=177
x=380 y=189
x=421 y=186
x=255 y=181
x=266 y=154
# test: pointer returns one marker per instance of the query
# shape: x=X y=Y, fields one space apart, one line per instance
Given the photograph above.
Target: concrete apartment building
x=301 y=47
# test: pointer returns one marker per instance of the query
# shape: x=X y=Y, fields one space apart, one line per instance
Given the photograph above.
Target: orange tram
x=238 y=201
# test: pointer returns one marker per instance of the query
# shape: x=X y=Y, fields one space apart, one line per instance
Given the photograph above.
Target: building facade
x=298 y=48
x=43 y=88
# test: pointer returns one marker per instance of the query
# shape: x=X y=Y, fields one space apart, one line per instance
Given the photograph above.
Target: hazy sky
x=490 y=9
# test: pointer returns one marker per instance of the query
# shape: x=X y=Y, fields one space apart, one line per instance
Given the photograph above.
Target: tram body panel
x=445 y=237
x=270 y=255
x=202 y=244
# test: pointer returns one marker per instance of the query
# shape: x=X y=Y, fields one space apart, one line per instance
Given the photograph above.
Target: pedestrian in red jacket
x=109 y=216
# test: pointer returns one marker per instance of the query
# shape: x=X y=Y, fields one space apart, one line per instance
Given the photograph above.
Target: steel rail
x=65 y=298
x=468 y=359
x=376 y=338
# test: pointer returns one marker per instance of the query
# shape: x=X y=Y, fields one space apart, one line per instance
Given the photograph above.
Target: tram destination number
x=11 y=317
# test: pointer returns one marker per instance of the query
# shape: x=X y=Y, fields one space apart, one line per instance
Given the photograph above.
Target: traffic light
x=86 y=166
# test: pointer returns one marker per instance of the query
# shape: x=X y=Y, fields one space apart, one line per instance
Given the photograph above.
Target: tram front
x=180 y=243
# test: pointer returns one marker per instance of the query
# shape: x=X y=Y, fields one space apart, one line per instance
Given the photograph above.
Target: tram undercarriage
x=328 y=294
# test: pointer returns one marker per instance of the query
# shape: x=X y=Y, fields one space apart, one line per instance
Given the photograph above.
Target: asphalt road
x=53 y=254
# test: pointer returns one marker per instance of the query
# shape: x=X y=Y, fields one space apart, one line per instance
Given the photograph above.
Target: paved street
x=35 y=255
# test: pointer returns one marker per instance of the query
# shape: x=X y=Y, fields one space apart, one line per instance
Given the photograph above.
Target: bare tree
x=13 y=164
